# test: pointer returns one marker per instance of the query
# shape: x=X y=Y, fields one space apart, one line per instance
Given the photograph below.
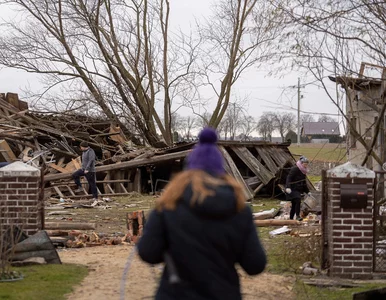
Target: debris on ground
x=281 y=230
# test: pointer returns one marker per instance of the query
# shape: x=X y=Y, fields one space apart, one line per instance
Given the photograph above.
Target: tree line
x=238 y=125
x=121 y=59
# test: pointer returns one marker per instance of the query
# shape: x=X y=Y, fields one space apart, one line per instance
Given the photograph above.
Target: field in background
x=321 y=152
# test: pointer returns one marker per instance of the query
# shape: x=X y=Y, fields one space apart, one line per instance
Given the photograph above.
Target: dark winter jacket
x=296 y=181
x=205 y=242
x=88 y=160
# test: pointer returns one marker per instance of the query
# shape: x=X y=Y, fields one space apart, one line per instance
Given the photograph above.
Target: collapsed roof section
x=53 y=140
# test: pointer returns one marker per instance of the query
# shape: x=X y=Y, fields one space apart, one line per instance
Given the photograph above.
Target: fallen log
x=274 y=222
x=126 y=164
x=69 y=226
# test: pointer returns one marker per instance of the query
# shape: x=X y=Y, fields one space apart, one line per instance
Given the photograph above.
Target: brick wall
x=19 y=198
x=350 y=233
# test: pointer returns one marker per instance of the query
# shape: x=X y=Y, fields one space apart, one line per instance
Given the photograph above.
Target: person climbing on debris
x=296 y=185
x=201 y=228
x=87 y=170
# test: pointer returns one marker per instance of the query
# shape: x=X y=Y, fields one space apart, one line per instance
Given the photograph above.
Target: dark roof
x=322 y=128
x=356 y=83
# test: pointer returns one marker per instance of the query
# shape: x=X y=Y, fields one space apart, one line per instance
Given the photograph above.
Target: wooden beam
x=266 y=157
x=253 y=164
x=275 y=222
x=69 y=225
x=126 y=164
x=58 y=168
x=236 y=173
x=6 y=152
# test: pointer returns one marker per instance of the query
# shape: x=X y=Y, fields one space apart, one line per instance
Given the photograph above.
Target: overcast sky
x=264 y=93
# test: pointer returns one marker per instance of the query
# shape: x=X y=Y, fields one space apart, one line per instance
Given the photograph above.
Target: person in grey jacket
x=87 y=170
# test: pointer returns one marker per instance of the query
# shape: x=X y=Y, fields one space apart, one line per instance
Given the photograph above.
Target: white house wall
x=365 y=118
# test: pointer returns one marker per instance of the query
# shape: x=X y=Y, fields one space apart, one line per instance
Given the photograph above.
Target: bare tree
x=231 y=123
x=248 y=126
x=189 y=123
x=334 y=38
x=283 y=123
x=325 y=118
x=118 y=53
x=265 y=125
x=238 y=36
x=305 y=118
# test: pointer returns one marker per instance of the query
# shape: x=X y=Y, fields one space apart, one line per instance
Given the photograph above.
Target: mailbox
x=353 y=196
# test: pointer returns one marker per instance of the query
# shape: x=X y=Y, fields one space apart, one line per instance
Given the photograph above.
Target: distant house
x=321 y=131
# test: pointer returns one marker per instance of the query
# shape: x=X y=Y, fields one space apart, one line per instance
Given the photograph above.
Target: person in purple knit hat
x=201 y=228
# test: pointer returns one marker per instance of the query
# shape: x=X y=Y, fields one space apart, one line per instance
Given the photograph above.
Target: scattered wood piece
x=266 y=214
x=61 y=212
x=276 y=222
x=69 y=225
x=331 y=282
x=5 y=152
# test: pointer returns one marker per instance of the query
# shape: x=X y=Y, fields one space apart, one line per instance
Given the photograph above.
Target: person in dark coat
x=296 y=185
x=202 y=228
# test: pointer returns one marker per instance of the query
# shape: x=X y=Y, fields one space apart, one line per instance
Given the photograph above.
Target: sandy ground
x=107 y=264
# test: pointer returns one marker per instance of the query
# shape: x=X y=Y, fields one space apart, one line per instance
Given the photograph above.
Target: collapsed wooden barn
x=51 y=141
x=259 y=166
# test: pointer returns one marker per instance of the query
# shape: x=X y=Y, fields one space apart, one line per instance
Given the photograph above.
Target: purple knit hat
x=206 y=155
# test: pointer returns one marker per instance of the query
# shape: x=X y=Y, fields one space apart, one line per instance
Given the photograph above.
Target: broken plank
x=253 y=182
x=274 y=222
x=266 y=157
x=235 y=172
x=6 y=152
x=127 y=164
x=253 y=164
x=61 y=212
x=57 y=190
x=58 y=168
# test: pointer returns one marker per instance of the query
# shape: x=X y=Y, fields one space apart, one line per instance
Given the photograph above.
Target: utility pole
x=299 y=96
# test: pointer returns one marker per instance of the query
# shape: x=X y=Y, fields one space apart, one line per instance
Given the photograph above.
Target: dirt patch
x=107 y=264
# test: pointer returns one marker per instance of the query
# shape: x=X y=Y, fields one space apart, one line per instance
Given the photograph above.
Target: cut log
x=69 y=226
x=263 y=223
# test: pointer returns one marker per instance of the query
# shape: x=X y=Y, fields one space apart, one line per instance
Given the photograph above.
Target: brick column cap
x=19 y=169
x=350 y=170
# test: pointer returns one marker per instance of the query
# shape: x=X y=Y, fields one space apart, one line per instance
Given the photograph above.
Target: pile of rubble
x=51 y=142
x=310 y=215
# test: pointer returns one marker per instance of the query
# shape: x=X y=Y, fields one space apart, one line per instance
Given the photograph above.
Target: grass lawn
x=321 y=152
x=48 y=282
x=286 y=254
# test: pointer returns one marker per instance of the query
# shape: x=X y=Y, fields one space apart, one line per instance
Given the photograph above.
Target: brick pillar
x=19 y=198
x=349 y=230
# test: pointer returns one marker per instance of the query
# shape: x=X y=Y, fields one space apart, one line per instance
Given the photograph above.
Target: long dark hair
x=201 y=183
